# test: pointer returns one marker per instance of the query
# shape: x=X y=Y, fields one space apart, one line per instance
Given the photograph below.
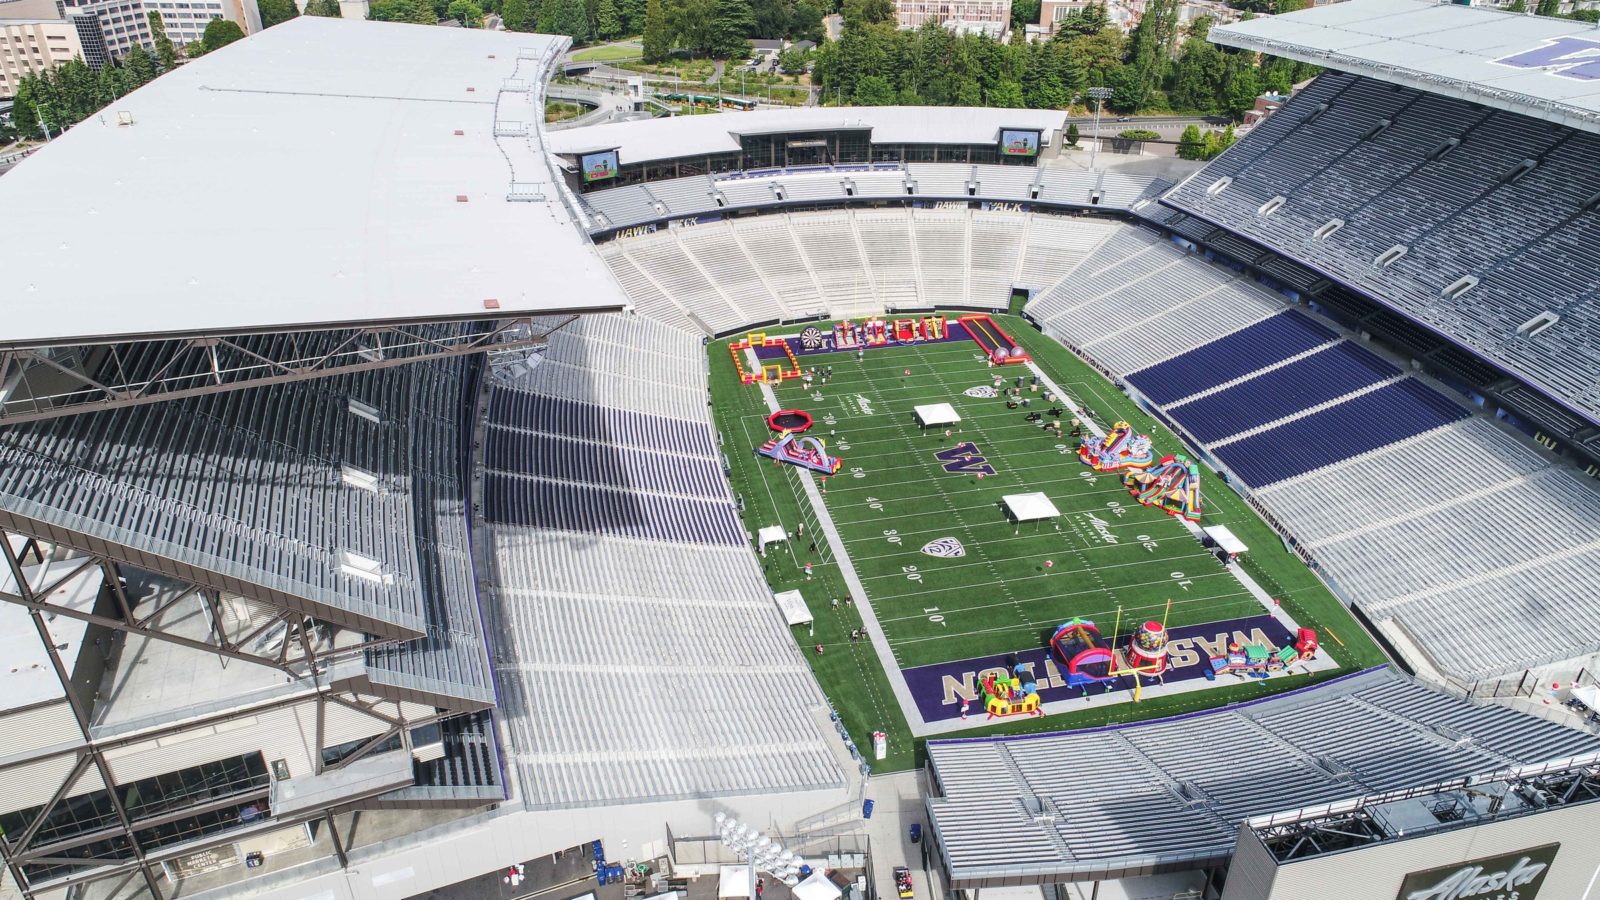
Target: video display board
x=599 y=166
x=1019 y=142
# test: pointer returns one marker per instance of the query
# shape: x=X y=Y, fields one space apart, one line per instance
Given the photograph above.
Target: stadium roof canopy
x=1169 y=795
x=320 y=174
x=697 y=135
x=1538 y=66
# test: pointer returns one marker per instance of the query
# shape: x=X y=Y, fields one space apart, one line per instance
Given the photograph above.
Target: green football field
x=1109 y=558
x=893 y=497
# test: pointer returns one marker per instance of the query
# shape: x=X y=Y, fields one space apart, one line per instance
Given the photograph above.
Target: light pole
x=758 y=851
x=1100 y=95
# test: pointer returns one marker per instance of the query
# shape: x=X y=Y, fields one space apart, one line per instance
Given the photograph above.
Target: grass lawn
x=608 y=53
x=557 y=110
x=893 y=496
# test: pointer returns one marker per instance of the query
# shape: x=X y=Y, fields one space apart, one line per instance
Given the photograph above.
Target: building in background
x=991 y=17
x=1124 y=15
x=126 y=23
x=35 y=35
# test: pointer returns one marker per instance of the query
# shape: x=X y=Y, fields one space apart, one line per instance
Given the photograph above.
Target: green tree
x=1241 y=88
x=220 y=33
x=1006 y=95
x=1042 y=83
x=792 y=61
x=1072 y=135
x=1198 y=76
x=275 y=12
x=657 y=40
x=141 y=66
x=569 y=17
x=608 y=20
x=516 y=16
x=1191 y=145
x=805 y=22
x=1518 y=6
x=633 y=14
x=1024 y=12
x=418 y=12
x=868 y=12
x=1149 y=54
x=874 y=90
x=1092 y=20
x=327 y=9
x=165 y=52
x=771 y=18
x=1548 y=8
x=467 y=12
x=732 y=23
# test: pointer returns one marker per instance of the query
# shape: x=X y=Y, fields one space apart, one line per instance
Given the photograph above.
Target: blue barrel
x=866 y=809
x=805 y=872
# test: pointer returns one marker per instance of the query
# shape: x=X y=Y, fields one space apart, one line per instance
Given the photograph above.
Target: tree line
x=1156 y=67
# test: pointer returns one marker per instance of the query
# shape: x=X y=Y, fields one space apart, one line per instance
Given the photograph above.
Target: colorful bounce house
x=874 y=332
x=1078 y=646
x=1010 y=696
x=1172 y=486
x=1120 y=449
x=789 y=447
x=1147 y=654
x=1257 y=661
x=996 y=344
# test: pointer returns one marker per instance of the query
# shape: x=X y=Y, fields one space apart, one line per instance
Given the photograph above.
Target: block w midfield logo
x=964 y=459
x=1568 y=57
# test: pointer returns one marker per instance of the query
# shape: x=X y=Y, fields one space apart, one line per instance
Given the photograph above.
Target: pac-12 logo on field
x=945 y=548
x=964 y=459
x=1568 y=57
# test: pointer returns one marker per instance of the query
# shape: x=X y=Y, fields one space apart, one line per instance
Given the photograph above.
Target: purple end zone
x=940 y=687
x=954 y=331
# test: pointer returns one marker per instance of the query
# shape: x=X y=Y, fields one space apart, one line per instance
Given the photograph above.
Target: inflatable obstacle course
x=1172 y=486
x=996 y=344
x=790 y=447
x=1119 y=450
x=769 y=373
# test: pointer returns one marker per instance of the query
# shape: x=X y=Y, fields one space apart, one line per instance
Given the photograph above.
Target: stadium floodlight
x=1099 y=95
x=758 y=852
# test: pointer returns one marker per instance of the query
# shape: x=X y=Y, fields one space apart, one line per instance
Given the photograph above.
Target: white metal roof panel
x=1538 y=66
x=694 y=135
x=305 y=176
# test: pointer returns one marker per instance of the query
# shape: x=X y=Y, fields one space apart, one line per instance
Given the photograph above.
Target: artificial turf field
x=893 y=496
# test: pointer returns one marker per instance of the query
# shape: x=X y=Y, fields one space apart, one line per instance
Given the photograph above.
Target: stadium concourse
x=367 y=531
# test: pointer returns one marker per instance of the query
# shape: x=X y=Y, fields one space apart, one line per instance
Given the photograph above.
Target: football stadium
x=806 y=503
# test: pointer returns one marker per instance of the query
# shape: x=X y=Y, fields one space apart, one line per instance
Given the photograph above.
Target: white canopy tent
x=771 y=534
x=932 y=415
x=1034 y=507
x=733 y=881
x=1588 y=695
x=816 y=887
x=793 y=607
x=1029 y=507
x=1225 y=539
